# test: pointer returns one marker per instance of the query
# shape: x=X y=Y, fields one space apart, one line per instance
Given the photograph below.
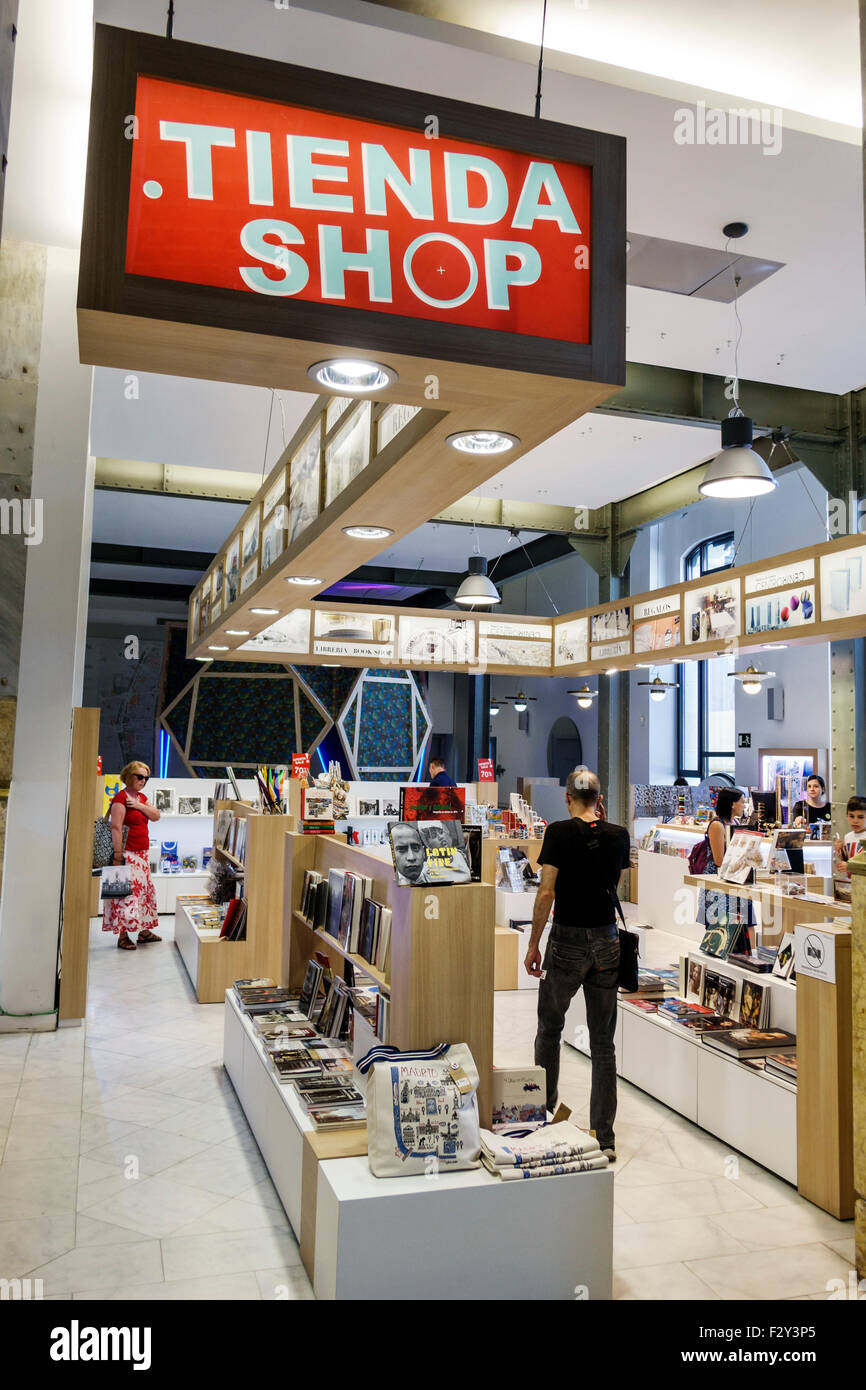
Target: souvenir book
x=431 y=852
x=337 y=1116
x=719 y=941
x=330 y=1094
x=335 y=902
x=317 y=804
x=754 y=1005
x=519 y=1096
x=783 y=966
x=290 y=1064
x=310 y=987
x=751 y=1040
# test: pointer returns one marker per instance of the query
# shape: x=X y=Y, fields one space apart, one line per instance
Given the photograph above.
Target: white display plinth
x=664 y=900
x=464 y=1235
x=753 y=1111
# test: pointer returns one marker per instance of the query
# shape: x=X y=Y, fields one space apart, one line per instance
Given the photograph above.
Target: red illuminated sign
x=485 y=770
x=284 y=201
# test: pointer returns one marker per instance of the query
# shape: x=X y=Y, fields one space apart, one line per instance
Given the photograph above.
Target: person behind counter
x=729 y=808
x=438 y=776
x=816 y=806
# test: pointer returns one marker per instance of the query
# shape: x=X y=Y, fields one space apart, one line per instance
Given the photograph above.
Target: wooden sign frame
x=196 y=330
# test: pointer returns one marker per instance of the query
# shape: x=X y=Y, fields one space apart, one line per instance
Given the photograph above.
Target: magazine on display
x=754 y=1005
x=747 y=851
x=310 y=987
x=435 y=852
x=432 y=803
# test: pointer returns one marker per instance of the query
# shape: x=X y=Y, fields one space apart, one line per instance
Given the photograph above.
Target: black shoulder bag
x=629 y=942
x=629 y=950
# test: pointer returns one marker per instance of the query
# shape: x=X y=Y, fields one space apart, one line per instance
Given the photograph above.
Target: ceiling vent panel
x=701 y=272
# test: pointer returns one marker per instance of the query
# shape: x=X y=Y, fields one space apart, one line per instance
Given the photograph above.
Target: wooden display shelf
x=442 y=951
x=232 y=858
x=825 y=1104
x=780 y=913
x=531 y=847
x=213 y=964
x=357 y=961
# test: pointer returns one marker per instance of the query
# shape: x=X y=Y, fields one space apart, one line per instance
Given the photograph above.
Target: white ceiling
x=199 y=424
x=804 y=327
x=600 y=459
x=441 y=546
x=796 y=54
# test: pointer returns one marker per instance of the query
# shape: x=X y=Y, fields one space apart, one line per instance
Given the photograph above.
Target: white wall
x=786 y=519
x=525 y=754
x=804 y=675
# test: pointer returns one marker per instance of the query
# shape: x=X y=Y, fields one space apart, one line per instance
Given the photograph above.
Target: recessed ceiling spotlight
x=351 y=374
x=218 y=649
x=237 y=631
x=204 y=658
x=614 y=671
x=368 y=533
x=309 y=579
x=265 y=612
x=482 y=441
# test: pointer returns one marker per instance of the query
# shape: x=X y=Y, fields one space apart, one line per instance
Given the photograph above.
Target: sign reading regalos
x=281 y=200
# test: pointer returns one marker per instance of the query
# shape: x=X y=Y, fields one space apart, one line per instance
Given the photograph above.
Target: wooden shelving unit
x=357 y=961
x=442 y=951
x=214 y=965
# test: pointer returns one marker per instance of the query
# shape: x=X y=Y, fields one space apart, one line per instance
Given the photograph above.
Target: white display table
x=753 y=1111
x=169 y=886
x=460 y=1236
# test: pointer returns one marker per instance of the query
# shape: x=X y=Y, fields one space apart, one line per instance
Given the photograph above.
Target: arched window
x=705 y=697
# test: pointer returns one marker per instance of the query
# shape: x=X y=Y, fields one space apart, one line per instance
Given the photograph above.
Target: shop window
x=705 y=698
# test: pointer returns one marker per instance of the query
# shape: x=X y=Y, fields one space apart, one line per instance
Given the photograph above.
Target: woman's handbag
x=116 y=881
x=103 y=845
x=422 y=1110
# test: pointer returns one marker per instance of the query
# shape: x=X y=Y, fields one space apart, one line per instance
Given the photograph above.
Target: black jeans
x=587 y=956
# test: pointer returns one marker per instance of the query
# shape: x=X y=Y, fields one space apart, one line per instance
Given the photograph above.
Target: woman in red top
x=131 y=809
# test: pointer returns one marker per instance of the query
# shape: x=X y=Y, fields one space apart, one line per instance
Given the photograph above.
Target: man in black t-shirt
x=581 y=861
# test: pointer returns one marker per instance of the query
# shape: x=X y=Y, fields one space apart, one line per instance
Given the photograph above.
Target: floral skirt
x=138 y=911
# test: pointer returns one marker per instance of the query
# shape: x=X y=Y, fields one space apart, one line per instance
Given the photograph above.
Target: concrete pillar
x=51 y=665
x=45 y=404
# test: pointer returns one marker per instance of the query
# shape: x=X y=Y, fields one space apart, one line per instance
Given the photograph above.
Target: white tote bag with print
x=422 y=1110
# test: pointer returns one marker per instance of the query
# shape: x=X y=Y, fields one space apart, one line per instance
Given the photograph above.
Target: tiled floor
x=683 y=1228
x=128 y=1170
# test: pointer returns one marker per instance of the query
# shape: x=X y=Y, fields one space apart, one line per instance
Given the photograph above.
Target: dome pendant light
x=738 y=471
x=476 y=587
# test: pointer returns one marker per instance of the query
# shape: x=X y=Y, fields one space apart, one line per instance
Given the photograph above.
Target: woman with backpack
x=729 y=808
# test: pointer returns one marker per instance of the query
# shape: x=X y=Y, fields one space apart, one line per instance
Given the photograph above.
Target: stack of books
x=782 y=1064
x=260 y=996
x=374 y=936
x=317 y=811
x=751 y=1042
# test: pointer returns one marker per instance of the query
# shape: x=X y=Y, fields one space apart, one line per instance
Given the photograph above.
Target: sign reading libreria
x=276 y=199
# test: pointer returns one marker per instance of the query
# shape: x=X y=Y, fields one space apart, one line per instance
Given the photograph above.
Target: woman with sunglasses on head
x=130 y=808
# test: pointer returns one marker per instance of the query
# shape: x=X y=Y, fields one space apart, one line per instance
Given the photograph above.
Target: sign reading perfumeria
x=280 y=200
